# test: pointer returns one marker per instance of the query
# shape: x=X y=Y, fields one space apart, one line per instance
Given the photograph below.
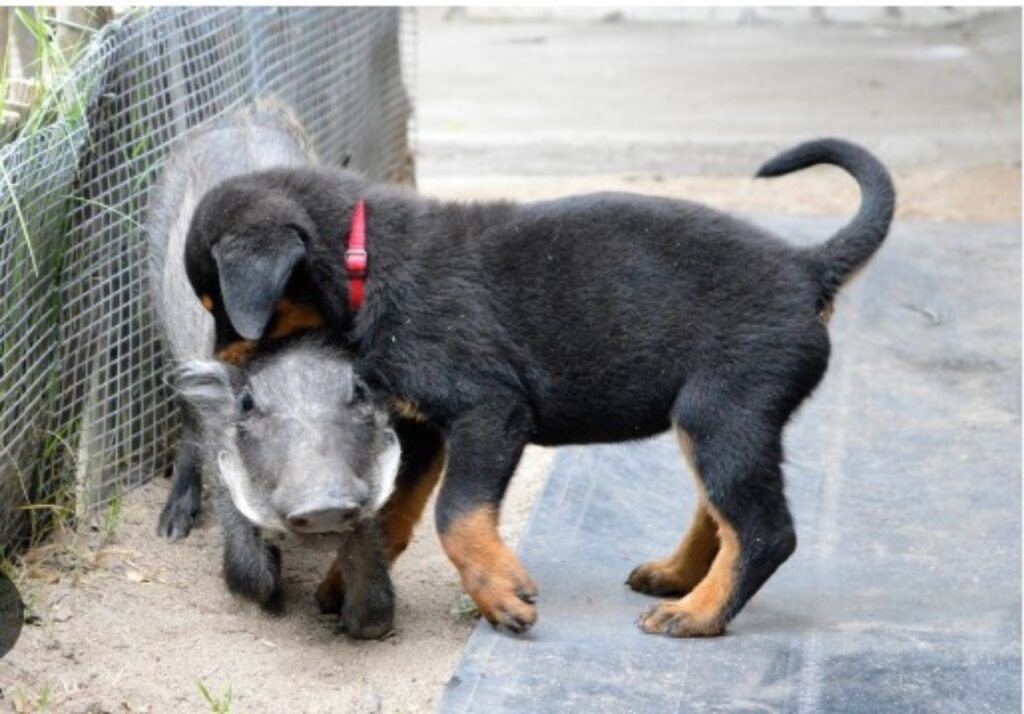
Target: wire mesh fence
x=84 y=407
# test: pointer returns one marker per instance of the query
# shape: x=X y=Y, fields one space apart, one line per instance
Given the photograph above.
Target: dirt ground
x=138 y=624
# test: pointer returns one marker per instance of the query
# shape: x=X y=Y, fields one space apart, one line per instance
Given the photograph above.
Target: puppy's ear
x=253 y=274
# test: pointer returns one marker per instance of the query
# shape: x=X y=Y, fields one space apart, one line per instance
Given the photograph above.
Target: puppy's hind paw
x=673 y=619
x=656 y=578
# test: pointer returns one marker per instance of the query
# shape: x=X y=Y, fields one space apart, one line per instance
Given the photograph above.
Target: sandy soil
x=136 y=624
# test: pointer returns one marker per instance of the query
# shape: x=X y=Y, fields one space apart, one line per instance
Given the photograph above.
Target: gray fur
x=308 y=436
x=250 y=139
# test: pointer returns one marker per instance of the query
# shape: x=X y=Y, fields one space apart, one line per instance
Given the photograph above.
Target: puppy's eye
x=246 y=403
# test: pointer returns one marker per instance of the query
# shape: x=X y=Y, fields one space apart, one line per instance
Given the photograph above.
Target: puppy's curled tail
x=839 y=257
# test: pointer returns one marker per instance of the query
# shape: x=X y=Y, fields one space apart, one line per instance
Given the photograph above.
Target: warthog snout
x=326 y=518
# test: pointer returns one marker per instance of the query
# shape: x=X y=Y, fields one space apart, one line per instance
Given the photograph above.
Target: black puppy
x=593 y=318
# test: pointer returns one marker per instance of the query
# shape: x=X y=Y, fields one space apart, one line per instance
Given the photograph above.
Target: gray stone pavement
x=675 y=98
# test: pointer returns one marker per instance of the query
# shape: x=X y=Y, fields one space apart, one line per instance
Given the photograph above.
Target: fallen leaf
x=464 y=608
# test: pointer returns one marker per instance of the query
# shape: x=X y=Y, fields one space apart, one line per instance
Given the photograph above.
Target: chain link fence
x=84 y=407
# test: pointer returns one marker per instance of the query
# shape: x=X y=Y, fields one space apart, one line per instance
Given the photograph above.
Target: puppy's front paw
x=675 y=619
x=506 y=599
x=491 y=573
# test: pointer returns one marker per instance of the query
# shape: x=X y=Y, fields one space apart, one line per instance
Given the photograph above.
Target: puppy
x=594 y=318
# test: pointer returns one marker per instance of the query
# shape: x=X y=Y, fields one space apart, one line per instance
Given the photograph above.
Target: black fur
x=185 y=497
x=849 y=249
x=257 y=283
x=593 y=318
x=251 y=567
x=367 y=606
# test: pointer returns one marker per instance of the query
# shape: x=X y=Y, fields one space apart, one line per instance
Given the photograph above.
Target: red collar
x=355 y=256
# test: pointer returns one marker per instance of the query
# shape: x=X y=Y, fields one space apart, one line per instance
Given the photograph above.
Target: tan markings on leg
x=238 y=352
x=686 y=444
x=330 y=595
x=680 y=572
x=291 y=317
x=826 y=313
x=207 y=302
x=701 y=612
x=407 y=410
x=490 y=572
x=404 y=508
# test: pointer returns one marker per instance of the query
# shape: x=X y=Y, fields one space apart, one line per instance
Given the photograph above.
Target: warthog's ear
x=206 y=386
x=253 y=274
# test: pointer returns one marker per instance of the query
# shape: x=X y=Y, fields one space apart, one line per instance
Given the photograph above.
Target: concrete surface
x=903 y=472
x=919 y=16
x=687 y=99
